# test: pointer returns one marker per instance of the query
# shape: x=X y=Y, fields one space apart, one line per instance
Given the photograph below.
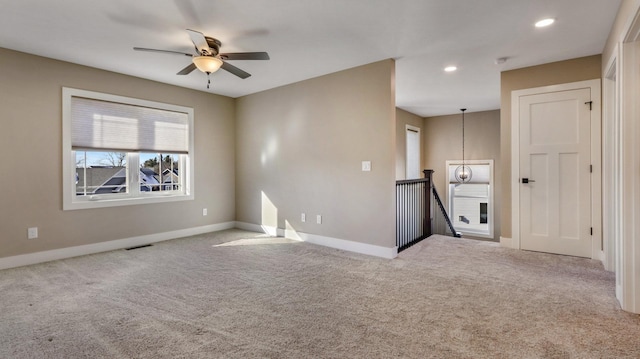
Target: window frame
x=134 y=196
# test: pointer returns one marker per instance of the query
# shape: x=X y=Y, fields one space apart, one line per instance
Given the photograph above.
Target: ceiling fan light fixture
x=208 y=64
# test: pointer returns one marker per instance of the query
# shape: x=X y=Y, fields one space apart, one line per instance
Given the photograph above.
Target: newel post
x=428 y=175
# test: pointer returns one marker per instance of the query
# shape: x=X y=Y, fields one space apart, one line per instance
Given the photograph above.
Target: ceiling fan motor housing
x=214 y=45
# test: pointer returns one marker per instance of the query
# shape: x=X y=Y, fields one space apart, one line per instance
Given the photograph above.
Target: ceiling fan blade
x=199 y=41
x=245 y=56
x=187 y=70
x=162 y=51
x=234 y=70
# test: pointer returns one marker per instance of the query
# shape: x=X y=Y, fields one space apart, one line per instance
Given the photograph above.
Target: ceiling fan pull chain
x=208 y=79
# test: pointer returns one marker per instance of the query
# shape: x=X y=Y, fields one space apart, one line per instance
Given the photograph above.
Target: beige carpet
x=234 y=294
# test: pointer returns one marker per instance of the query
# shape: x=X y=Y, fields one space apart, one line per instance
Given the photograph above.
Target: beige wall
x=300 y=148
x=585 y=68
x=31 y=146
x=404 y=118
x=443 y=141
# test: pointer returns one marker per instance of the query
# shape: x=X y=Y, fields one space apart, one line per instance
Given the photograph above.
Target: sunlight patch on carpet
x=256 y=241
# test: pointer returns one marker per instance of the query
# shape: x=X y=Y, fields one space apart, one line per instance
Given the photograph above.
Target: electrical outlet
x=32 y=233
x=319 y=219
x=303 y=217
x=204 y=212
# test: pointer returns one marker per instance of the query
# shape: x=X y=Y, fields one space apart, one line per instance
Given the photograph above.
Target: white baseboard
x=346 y=245
x=343 y=244
x=55 y=254
x=506 y=242
x=62 y=253
x=272 y=231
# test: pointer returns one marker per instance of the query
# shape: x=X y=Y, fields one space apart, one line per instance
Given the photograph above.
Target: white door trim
x=626 y=54
x=611 y=145
x=596 y=187
x=629 y=250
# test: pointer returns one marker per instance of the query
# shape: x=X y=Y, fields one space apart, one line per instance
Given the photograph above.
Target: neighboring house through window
x=112 y=142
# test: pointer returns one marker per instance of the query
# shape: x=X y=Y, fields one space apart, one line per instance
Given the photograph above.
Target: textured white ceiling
x=309 y=38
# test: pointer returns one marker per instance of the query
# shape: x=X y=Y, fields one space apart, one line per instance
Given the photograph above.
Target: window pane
x=160 y=172
x=100 y=172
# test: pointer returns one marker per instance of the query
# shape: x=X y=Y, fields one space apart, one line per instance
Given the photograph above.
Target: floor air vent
x=136 y=247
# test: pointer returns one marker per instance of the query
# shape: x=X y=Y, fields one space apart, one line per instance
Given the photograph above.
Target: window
x=471 y=204
x=413 y=152
x=122 y=151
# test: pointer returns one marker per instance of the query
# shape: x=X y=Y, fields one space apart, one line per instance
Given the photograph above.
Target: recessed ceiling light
x=545 y=22
x=450 y=68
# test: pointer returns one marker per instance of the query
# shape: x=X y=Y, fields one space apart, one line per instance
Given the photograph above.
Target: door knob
x=526 y=180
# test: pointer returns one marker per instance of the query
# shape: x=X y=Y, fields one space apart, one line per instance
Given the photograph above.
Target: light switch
x=366 y=166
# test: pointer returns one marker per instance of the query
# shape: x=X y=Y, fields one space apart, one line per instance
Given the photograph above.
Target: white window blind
x=97 y=124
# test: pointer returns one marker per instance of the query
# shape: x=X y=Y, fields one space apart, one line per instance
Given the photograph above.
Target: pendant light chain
x=463 y=110
x=463 y=172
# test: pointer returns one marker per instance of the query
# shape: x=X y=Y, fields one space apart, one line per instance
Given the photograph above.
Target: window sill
x=102 y=202
x=475 y=234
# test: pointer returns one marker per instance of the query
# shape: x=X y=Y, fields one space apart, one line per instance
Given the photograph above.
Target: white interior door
x=555 y=147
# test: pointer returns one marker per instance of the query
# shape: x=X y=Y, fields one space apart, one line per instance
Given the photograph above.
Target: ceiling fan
x=208 y=58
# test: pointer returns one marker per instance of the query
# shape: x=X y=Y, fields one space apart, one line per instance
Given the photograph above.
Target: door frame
x=628 y=292
x=612 y=197
x=596 y=159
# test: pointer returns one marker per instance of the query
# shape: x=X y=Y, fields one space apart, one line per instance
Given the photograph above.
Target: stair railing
x=419 y=212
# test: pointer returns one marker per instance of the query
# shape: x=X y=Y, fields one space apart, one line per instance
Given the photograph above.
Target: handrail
x=417 y=180
x=444 y=212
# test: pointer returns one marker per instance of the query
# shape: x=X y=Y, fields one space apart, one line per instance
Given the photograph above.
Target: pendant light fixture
x=463 y=172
